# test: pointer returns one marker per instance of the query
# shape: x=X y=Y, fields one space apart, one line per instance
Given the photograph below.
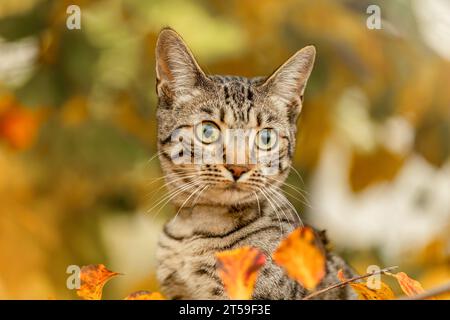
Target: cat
x=222 y=206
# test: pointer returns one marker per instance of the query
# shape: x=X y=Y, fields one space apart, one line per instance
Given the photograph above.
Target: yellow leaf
x=301 y=257
x=409 y=286
x=93 y=278
x=144 y=295
x=238 y=270
x=366 y=293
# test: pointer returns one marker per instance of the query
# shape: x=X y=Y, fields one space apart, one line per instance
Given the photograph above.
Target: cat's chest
x=187 y=269
x=187 y=263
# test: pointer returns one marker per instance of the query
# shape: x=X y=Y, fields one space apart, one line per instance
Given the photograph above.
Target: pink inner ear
x=289 y=80
x=177 y=70
x=163 y=70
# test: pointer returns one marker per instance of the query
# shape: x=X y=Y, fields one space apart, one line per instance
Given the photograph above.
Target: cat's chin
x=231 y=195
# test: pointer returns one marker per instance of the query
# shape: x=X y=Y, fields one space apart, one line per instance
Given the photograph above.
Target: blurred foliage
x=78 y=126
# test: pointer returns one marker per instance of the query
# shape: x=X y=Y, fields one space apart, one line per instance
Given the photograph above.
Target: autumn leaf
x=144 y=295
x=238 y=270
x=93 y=278
x=366 y=293
x=18 y=127
x=409 y=286
x=301 y=257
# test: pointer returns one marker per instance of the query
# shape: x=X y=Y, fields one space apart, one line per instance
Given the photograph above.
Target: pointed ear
x=177 y=72
x=286 y=85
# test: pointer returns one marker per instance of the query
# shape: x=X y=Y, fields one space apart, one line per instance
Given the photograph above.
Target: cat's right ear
x=177 y=71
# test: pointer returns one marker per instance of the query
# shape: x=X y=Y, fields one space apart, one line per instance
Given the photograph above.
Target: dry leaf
x=145 y=295
x=366 y=293
x=301 y=257
x=238 y=270
x=409 y=286
x=93 y=278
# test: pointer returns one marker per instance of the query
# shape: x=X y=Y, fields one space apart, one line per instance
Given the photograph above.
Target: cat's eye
x=207 y=132
x=266 y=139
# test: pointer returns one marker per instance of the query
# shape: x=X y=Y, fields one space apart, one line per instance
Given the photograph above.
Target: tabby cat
x=222 y=206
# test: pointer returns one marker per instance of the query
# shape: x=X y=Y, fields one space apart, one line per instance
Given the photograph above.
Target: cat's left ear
x=286 y=85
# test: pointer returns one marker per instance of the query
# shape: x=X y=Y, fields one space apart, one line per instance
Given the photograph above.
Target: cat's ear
x=286 y=85
x=177 y=72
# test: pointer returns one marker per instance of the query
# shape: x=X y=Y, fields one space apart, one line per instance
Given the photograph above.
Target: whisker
x=275 y=210
x=169 y=198
x=271 y=195
x=198 y=196
x=172 y=181
x=298 y=174
x=296 y=189
x=286 y=201
x=154 y=157
x=291 y=195
x=174 y=193
x=185 y=201
x=171 y=174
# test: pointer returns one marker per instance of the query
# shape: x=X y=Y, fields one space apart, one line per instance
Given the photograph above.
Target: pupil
x=207 y=132
x=266 y=137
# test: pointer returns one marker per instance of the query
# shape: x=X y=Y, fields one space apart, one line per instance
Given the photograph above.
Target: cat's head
x=225 y=139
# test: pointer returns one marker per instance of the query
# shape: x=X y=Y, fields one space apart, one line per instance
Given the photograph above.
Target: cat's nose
x=237 y=170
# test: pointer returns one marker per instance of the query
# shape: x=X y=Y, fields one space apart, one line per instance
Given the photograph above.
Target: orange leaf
x=18 y=127
x=301 y=257
x=93 y=278
x=366 y=293
x=144 y=295
x=238 y=270
x=409 y=286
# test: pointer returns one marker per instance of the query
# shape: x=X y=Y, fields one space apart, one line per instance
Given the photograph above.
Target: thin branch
x=343 y=283
x=429 y=293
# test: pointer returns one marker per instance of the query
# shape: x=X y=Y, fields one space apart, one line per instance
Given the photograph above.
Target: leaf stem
x=343 y=283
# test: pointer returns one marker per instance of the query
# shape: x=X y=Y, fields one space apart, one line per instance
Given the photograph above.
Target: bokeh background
x=77 y=130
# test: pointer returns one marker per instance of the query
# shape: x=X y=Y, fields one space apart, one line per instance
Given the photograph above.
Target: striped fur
x=215 y=213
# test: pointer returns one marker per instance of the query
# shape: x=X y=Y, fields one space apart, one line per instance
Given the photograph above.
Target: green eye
x=266 y=139
x=207 y=132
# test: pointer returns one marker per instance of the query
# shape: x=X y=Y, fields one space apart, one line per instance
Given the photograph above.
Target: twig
x=429 y=293
x=343 y=283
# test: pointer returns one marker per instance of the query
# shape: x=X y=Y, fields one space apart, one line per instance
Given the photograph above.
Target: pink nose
x=236 y=170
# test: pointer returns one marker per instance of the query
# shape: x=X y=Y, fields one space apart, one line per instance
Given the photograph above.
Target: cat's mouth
x=236 y=187
x=230 y=193
x=233 y=186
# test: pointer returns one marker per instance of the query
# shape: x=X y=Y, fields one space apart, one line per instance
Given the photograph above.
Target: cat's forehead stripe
x=238 y=97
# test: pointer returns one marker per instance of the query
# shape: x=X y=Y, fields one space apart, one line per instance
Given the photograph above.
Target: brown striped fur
x=214 y=212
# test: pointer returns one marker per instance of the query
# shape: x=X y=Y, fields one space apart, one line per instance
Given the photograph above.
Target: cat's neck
x=209 y=219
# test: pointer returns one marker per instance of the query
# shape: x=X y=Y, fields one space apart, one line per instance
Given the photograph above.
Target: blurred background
x=77 y=130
